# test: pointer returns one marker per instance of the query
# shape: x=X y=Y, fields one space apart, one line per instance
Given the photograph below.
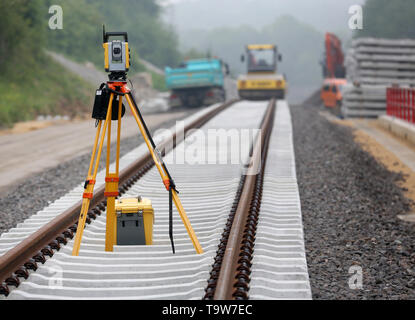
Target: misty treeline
x=300 y=45
x=209 y=14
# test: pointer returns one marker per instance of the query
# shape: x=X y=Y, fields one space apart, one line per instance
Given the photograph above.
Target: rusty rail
x=228 y=279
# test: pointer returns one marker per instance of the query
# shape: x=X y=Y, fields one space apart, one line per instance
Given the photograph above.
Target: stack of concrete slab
x=372 y=66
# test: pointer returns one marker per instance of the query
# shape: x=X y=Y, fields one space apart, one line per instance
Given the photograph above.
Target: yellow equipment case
x=135 y=218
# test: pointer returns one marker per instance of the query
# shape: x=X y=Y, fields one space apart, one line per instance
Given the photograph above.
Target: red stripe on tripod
x=167 y=184
x=111 y=194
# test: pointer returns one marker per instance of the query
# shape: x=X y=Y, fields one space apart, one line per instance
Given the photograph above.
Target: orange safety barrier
x=400 y=103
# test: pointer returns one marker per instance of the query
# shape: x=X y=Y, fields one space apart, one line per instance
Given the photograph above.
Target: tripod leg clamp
x=167 y=184
x=88 y=182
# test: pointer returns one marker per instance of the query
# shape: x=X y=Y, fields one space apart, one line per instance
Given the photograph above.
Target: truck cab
x=197 y=82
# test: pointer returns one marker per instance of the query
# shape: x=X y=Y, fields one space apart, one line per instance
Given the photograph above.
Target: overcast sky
x=324 y=15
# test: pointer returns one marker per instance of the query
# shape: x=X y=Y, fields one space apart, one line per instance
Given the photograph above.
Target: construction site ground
x=395 y=154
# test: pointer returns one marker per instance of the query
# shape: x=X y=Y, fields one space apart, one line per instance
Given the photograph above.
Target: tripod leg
x=94 y=149
x=111 y=187
x=186 y=222
x=90 y=183
x=171 y=219
x=164 y=175
x=117 y=163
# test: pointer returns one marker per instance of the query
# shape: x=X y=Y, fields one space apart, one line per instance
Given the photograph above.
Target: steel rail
x=225 y=284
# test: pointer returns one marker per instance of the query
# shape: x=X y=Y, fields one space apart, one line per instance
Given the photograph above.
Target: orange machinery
x=333 y=71
x=331 y=92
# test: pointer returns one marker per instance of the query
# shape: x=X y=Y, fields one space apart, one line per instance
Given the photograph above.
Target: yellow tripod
x=119 y=88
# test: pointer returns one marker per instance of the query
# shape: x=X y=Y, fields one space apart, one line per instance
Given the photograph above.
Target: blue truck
x=197 y=82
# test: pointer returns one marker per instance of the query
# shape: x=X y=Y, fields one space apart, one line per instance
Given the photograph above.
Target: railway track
x=249 y=225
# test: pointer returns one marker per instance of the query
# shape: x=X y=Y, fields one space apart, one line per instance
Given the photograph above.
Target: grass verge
x=47 y=89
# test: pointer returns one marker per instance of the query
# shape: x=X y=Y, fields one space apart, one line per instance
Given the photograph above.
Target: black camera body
x=101 y=104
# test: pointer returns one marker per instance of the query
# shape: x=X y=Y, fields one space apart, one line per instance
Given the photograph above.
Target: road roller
x=261 y=82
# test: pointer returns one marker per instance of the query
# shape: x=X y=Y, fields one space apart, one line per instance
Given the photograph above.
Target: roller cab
x=262 y=82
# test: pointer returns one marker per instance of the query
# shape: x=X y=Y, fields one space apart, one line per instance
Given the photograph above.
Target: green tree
x=21 y=38
x=30 y=83
x=193 y=53
x=81 y=36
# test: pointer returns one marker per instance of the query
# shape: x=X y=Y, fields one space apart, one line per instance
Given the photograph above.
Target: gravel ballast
x=350 y=204
x=39 y=190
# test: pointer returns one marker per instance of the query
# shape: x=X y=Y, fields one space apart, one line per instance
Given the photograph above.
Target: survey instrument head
x=117 y=54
